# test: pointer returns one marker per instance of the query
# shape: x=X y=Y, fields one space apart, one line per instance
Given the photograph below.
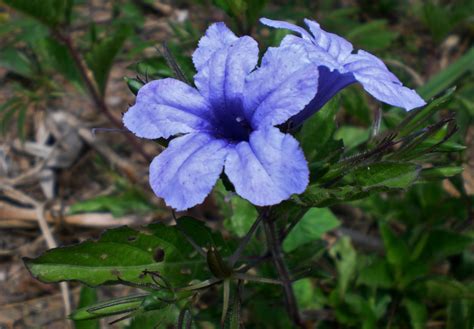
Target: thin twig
x=51 y=243
x=246 y=239
x=48 y=236
x=94 y=93
x=274 y=245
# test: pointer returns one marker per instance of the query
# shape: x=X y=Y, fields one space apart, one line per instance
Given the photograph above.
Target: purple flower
x=227 y=122
x=340 y=67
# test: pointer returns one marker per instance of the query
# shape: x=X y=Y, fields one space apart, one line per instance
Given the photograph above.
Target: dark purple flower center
x=234 y=128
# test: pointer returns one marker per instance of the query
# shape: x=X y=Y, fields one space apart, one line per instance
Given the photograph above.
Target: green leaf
x=417 y=312
x=48 y=12
x=352 y=136
x=376 y=274
x=164 y=318
x=345 y=257
x=460 y=314
x=239 y=216
x=447 y=77
x=62 y=61
x=102 y=55
x=201 y=234
x=16 y=61
x=107 y=308
x=387 y=174
x=304 y=293
x=442 y=244
x=437 y=173
x=129 y=201
x=397 y=251
x=317 y=132
x=418 y=117
x=87 y=297
x=443 y=288
x=120 y=255
x=312 y=226
x=373 y=35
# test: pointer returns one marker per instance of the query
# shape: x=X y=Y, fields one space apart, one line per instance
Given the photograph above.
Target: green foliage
x=129 y=200
x=49 y=12
x=418 y=266
x=121 y=255
x=101 y=56
x=311 y=227
x=87 y=297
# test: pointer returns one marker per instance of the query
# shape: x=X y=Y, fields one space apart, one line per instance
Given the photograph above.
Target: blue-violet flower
x=340 y=67
x=228 y=122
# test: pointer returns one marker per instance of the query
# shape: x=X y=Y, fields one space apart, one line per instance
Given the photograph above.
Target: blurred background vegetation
x=403 y=259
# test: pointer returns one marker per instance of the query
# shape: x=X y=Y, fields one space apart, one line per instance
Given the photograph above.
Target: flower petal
x=378 y=81
x=367 y=69
x=330 y=83
x=294 y=82
x=184 y=174
x=314 y=53
x=217 y=37
x=337 y=47
x=222 y=79
x=167 y=107
x=267 y=169
x=285 y=25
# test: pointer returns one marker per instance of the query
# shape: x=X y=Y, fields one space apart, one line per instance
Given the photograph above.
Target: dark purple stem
x=274 y=246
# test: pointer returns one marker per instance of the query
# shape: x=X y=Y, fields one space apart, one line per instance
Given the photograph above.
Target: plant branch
x=94 y=93
x=274 y=246
x=246 y=239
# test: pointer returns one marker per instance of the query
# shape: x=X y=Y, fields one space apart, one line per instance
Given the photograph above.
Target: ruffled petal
x=315 y=54
x=185 y=173
x=367 y=69
x=222 y=79
x=378 y=81
x=217 y=37
x=288 y=26
x=167 y=107
x=284 y=83
x=267 y=169
x=337 y=47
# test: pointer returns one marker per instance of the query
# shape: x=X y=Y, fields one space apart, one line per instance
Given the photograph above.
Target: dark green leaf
x=201 y=234
x=48 y=12
x=460 y=314
x=397 y=251
x=442 y=244
x=374 y=35
x=352 y=136
x=102 y=55
x=418 y=117
x=317 y=132
x=62 y=61
x=447 y=77
x=15 y=61
x=376 y=274
x=417 y=312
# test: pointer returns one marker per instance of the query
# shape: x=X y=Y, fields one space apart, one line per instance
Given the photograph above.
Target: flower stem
x=244 y=242
x=274 y=247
